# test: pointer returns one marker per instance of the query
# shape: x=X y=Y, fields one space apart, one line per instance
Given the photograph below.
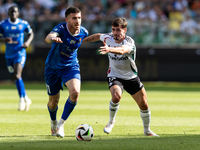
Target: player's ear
x=66 y=19
x=125 y=30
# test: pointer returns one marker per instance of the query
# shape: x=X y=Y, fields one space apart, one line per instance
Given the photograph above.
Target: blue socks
x=52 y=113
x=20 y=87
x=68 y=108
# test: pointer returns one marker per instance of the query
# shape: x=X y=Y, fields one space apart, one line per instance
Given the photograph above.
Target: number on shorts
x=10 y=69
x=48 y=88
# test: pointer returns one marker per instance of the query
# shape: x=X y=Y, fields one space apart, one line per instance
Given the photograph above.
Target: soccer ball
x=84 y=132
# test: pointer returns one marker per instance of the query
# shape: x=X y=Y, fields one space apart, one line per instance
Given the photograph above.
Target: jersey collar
x=16 y=22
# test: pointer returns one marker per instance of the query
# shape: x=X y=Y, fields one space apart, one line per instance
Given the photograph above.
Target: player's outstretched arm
x=116 y=50
x=52 y=37
x=92 y=38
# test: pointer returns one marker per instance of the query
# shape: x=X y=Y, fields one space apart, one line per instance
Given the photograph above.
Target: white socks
x=113 y=109
x=146 y=118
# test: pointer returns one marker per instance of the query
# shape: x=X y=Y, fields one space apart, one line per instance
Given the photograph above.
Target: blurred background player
x=12 y=33
x=62 y=66
x=122 y=72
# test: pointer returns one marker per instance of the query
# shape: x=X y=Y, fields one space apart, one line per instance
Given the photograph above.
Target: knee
x=116 y=97
x=143 y=104
x=16 y=76
x=53 y=103
x=74 y=95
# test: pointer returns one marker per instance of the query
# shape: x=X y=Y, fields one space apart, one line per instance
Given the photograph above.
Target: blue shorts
x=56 y=78
x=17 y=59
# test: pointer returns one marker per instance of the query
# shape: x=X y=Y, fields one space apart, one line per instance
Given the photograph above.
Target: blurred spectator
x=189 y=26
x=130 y=11
x=187 y=12
x=147 y=18
x=62 y=10
x=197 y=14
x=116 y=10
x=139 y=5
x=48 y=4
x=6 y=6
x=180 y=4
x=168 y=7
x=2 y=12
x=195 y=5
x=143 y=13
x=28 y=12
x=175 y=19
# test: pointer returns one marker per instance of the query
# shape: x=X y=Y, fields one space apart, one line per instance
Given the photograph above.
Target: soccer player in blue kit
x=12 y=33
x=62 y=66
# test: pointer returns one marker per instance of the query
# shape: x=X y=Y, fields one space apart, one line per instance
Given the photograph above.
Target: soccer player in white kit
x=122 y=72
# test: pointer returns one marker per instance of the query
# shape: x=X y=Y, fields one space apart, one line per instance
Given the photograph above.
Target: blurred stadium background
x=166 y=33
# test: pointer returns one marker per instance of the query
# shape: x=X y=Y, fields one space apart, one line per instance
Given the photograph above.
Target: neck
x=13 y=19
x=72 y=31
x=119 y=41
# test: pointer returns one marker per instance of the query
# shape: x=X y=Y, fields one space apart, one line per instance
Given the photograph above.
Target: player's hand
x=56 y=39
x=25 y=45
x=10 y=41
x=104 y=49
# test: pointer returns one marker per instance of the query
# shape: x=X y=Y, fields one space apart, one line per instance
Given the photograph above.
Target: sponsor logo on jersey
x=117 y=58
x=13 y=27
x=14 y=35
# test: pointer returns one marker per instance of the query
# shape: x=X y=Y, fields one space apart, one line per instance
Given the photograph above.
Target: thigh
x=141 y=99
x=73 y=85
x=18 y=69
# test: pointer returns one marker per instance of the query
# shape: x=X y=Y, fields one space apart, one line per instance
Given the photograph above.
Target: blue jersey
x=62 y=55
x=15 y=30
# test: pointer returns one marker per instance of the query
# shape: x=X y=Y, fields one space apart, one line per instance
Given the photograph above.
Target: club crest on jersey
x=20 y=27
x=72 y=42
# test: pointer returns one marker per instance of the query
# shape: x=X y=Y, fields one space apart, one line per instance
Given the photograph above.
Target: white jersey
x=121 y=66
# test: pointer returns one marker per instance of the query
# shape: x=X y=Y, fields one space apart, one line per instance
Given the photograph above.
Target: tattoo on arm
x=92 y=38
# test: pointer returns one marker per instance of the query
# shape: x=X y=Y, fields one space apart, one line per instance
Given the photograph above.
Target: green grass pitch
x=175 y=109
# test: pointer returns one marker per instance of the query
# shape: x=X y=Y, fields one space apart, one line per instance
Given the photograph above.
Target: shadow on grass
x=131 y=142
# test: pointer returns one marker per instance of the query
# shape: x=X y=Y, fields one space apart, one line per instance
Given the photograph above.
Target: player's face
x=74 y=21
x=119 y=33
x=13 y=13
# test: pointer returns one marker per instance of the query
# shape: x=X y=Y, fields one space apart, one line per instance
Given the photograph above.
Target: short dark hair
x=120 y=22
x=12 y=7
x=71 y=10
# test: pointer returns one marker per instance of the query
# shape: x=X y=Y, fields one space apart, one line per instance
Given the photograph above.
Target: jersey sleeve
x=28 y=28
x=85 y=31
x=58 y=29
x=130 y=43
x=103 y=37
